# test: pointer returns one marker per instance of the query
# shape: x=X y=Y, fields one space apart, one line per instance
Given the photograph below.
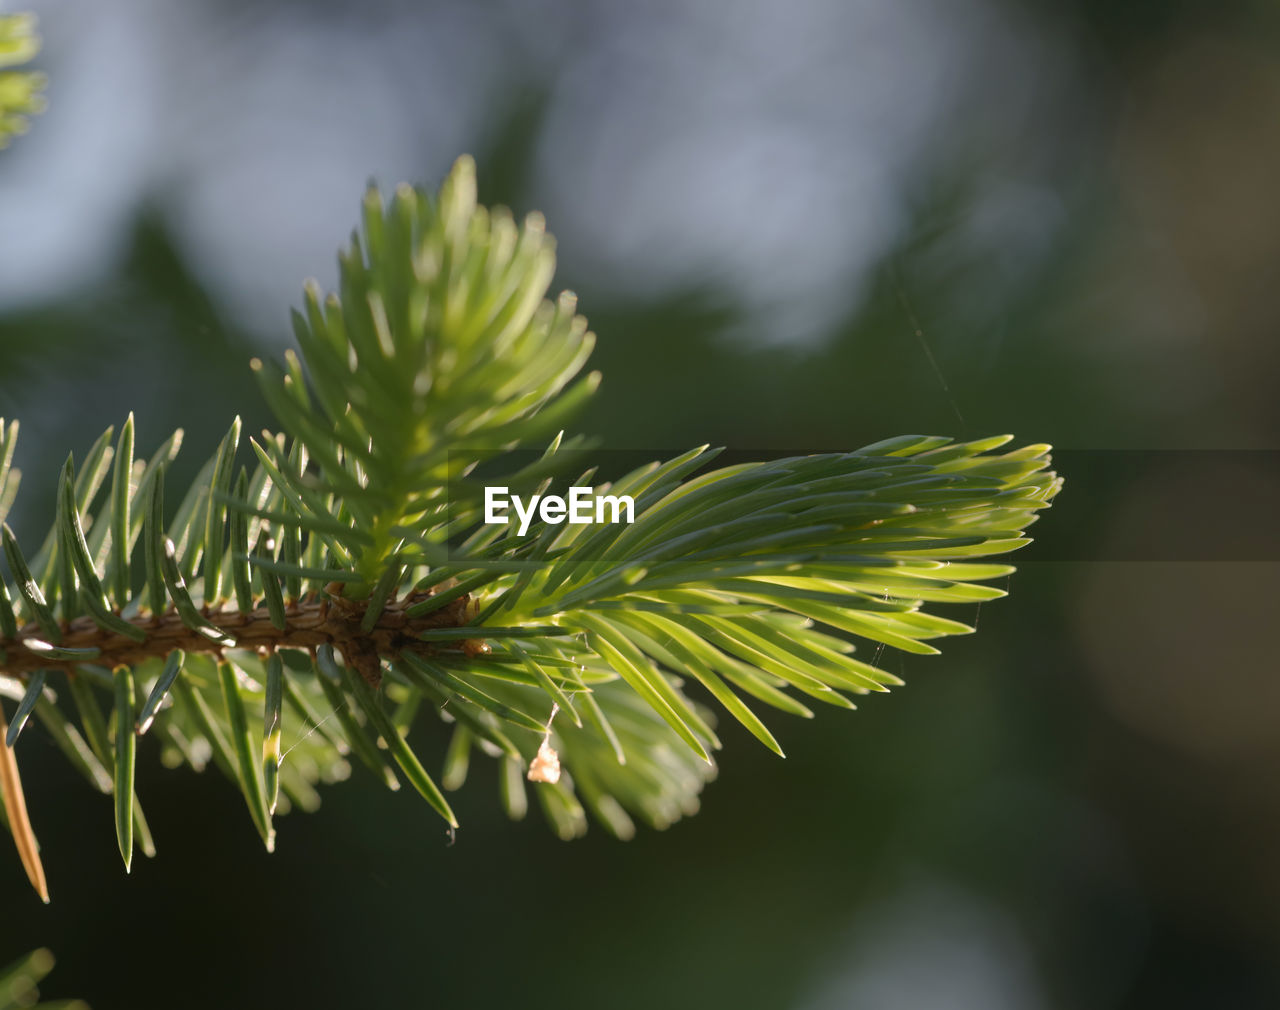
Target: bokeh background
x=794 y=225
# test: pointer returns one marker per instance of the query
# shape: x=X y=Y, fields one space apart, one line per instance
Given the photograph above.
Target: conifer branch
x=320 y=593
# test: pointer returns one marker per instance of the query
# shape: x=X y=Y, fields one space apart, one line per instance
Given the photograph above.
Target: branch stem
x=309 y=623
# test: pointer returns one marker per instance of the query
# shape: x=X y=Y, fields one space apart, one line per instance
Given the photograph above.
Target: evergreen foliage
x=19 y=979
x=20 y=90
x=328 y=591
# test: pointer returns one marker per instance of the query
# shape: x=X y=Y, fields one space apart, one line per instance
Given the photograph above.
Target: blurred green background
x=801 y=226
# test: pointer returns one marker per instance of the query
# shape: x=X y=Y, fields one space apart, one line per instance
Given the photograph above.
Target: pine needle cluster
x=331 y=585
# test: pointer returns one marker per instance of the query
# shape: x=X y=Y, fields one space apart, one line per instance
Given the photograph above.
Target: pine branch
x=326 y=590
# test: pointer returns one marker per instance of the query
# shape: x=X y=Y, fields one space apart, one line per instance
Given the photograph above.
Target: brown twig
x=309 y=623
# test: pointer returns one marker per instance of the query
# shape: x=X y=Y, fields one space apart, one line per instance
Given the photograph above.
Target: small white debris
x=546 y=766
